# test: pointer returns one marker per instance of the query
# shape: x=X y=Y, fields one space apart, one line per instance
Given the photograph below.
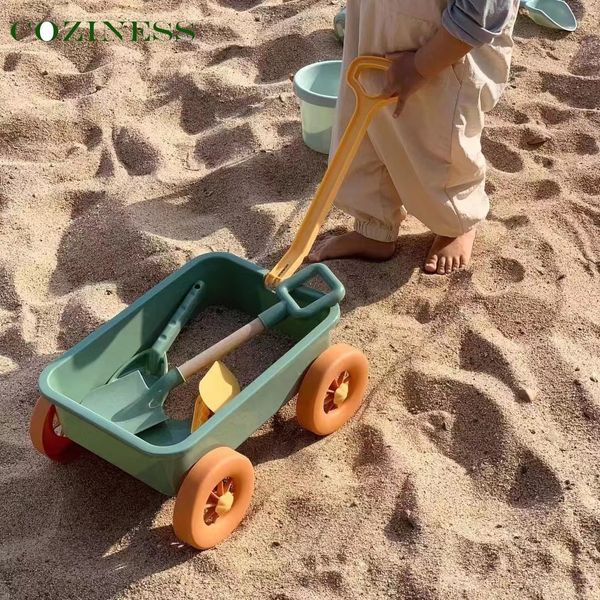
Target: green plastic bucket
x=316 y=87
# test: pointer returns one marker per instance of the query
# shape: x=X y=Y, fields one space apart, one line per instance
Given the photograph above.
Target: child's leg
x=449 y=197
x=368 y=193
x=432 y=152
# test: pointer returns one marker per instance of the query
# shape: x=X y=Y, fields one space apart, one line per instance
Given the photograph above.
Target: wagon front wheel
x=332 y=389
x=213 y=498
x=46 y=432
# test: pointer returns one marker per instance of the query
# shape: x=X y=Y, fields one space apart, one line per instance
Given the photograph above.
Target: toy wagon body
x=213 y=483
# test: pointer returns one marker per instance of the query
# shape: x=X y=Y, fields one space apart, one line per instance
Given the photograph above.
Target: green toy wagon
x=212 y=481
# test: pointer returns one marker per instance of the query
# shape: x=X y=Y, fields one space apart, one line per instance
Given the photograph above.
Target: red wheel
x=332 y=389
x=46 y=432
x=213 y=498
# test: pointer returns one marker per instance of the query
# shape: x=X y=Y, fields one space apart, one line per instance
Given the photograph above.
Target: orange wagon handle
x=365 y=109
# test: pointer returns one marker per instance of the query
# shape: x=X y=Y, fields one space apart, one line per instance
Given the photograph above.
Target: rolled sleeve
x=477 y=22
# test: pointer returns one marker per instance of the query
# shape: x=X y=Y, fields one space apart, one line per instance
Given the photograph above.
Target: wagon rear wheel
x=213 y=498
x=46 y=432
x=332 y=389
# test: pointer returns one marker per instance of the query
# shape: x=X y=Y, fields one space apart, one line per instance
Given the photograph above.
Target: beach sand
x=472 y=470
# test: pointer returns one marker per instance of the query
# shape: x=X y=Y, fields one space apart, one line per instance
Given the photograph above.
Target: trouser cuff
x=375 y=230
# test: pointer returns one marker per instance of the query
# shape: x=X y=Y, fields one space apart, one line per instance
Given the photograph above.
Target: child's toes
x=313 y=256
x=441 y=270
x=432 y=264
x=316 y=254
x=450 y=265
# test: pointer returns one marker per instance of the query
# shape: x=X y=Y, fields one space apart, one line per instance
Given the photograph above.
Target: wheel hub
x=220 y=501
x=338 y=392
x=341 y=394
x=224 y=504
x=56 y=425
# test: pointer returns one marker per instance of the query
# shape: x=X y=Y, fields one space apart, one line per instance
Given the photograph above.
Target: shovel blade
x=107 y=400
x=144 y=419
x=130 y=403
x=216 y=388
x=125 y=402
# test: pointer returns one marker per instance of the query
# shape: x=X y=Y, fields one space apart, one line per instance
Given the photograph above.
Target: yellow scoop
x=215 y=389
x=365 y=109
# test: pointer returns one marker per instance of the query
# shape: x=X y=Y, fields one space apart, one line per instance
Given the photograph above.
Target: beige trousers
x=428 y=162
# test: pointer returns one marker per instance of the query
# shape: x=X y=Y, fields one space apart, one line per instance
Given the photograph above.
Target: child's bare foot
x=352 y=244
x=450 y=254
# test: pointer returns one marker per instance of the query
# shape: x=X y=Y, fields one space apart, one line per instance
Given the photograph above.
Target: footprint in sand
x=11 y=61
x=535 y=482
x=483 y=349
x=553 y=115
x=214 y=33
x=406 y=522
x=201 y=108
x=279 y=12
x=574 y=91
x=546 y=189
x=238 y=5
x=499 y=274
x=515 y=221
x=589 y=184
x=586 y=144
x=228 y=144
x=282 y=56
x=501 y=156
x=9 y=297
x=372 y=451
x=510 y=114
x=477 y=413
x=135 y=151
x=47 y=137
x=587 y=60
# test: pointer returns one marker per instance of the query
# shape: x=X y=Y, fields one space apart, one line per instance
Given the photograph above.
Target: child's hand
x=402 y=79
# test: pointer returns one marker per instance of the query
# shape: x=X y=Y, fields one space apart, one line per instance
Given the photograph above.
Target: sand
x=471 y=472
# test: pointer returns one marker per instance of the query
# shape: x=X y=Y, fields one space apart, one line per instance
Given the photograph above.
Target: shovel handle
x=179 y=319
x=365 y=109
x=359 y=66
x=270 y=317
x=220 y=349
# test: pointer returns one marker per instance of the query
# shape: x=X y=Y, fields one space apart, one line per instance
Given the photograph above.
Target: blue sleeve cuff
x=466 y=28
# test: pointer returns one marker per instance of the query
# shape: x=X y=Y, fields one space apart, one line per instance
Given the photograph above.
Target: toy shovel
x=148 y=365
x=365 y=109
x=152 y=363
x=133 y=405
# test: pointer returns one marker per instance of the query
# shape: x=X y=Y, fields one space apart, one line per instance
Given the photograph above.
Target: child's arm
x=466 y=24
x=439 y=53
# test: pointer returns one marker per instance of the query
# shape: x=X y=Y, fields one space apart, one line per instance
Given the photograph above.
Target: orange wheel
x=333 y=389
x=213 y=498
x=46 y=432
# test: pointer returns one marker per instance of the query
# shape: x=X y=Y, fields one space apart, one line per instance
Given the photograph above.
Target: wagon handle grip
x=334 y=296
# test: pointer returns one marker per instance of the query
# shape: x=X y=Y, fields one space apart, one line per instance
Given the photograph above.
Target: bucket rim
x=310 y=96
